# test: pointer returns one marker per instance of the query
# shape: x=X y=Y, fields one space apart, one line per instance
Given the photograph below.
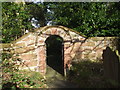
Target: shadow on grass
x=88 y=74
x=10 y=86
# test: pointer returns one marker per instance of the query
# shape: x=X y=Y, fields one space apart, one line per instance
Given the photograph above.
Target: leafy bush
x=14 y=78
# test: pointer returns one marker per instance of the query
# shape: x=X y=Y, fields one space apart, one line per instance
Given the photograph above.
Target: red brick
x=53 y=31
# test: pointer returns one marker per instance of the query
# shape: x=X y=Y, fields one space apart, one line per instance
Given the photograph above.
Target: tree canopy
x=91 y=19
x=15 y=21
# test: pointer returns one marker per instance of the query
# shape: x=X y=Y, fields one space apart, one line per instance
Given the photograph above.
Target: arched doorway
x=55 y=53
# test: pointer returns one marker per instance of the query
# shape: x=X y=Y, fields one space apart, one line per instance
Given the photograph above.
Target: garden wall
x=31 y=48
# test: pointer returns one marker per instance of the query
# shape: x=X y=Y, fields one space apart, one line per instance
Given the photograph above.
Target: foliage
x=92 y=19
x=90 y=74
x=14 y=78
x=15 y=21
x=115 y=44
x=19 y=17
x=37 y=12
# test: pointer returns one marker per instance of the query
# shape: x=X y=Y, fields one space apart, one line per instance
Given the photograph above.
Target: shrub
x=14 y=78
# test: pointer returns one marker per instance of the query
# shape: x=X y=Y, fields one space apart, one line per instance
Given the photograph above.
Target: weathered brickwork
x=31 y=48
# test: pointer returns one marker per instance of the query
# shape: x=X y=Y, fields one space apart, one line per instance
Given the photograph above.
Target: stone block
x=67 y=57
x=24 y=49
x=60 y=32
x=72 y=54
x=30 y=37
x=20 y=44
x=27 y=56
x=100 y=44
x=29 y=48
x=67 y=51
x=92 y=44
x=98 y=50
x=67 y=45
x=81 y=38
x=31 y=42
x=19 y=50
x=92 y=56
x=76 y=47
x=86 y=48
x=77 y=44
x=99 y=56
x=47 y=31
x=97 y=38
x=72 y=34
x=41 y=41
x=26 y=39
x=54 y=31
x=43 y=63
x=87 y=51
x=42 y=67
x=85 y=56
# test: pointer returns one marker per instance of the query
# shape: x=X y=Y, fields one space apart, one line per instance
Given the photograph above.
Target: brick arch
x=70 y=46
x=31 y=47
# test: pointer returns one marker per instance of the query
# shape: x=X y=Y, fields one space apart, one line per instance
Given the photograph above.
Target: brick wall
x=31 y=48
x=93 y=47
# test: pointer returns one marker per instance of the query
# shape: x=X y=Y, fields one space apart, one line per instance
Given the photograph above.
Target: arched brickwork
x=69 y=39
x=31 y=48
